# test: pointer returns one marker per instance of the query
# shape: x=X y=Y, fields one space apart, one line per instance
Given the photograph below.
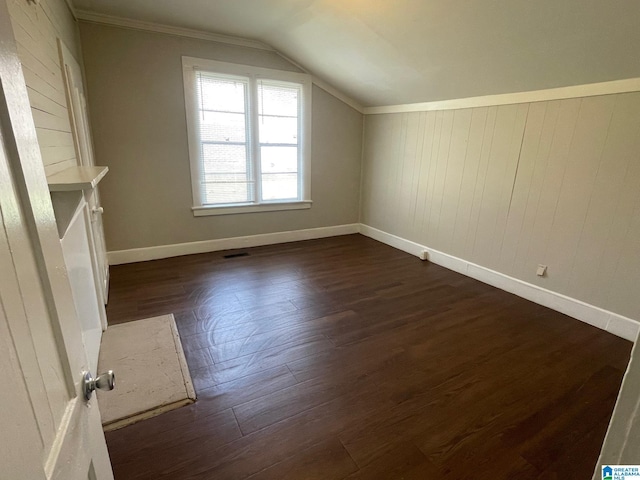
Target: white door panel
x=48 y=429
x=16 y=456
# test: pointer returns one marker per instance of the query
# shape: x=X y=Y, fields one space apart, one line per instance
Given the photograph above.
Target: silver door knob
x=96 y=210
x=105 y=381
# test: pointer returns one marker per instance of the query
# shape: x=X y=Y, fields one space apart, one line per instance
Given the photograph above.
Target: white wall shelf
x=76 y=178
x=70 y=189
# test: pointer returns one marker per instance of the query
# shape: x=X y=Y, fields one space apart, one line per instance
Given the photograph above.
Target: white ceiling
x=385 y=52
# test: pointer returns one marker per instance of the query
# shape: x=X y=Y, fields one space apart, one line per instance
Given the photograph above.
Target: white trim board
x=619 y=325
x=104 y=19
x=575 y=91
x=119 y=257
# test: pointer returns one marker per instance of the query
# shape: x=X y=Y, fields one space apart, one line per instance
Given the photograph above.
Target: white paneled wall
x=513 y=186
x=37 y=28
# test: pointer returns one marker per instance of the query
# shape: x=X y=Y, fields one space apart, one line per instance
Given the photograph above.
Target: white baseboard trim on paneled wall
x=611 y=322
x=119 y=257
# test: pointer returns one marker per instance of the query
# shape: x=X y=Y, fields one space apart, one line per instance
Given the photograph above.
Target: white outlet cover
x=542 y=269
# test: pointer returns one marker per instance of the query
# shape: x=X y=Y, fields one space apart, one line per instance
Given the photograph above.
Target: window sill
x=265 y=207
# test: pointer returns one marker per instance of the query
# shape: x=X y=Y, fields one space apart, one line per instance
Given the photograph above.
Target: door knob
x=97 y=210
x=105 y=381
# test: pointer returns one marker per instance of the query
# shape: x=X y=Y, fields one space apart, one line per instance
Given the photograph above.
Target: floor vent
x=234 y=255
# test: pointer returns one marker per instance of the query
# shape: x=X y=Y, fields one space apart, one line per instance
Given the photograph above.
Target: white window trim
x=189 y=67
x=250 y=208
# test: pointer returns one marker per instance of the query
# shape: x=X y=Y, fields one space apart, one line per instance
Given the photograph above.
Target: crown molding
x=575 y=91
x=101 y=18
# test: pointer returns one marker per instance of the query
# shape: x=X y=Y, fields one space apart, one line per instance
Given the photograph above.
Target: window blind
x=226 y=170
x=249 y=132
x=279 y=131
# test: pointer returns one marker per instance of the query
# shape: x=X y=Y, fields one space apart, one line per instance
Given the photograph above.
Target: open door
x=49 y=429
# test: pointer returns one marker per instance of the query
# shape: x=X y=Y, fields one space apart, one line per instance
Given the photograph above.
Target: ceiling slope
x=383 y=52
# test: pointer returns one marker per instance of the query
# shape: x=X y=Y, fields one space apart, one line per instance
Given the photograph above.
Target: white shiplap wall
x=513 y=186
x=36 y=29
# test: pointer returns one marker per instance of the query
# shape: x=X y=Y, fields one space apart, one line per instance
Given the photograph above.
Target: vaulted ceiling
x=385 y=52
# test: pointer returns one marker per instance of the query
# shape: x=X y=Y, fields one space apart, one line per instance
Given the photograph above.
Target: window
x=248 y=137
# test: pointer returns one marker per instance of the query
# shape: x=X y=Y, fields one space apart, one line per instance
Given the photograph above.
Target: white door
x=79 y=119
x=48 y=429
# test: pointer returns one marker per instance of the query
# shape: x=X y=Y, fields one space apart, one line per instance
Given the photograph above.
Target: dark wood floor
x=344 y=358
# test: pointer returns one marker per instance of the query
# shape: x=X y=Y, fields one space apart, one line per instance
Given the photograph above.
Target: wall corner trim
x=611 y=322
x=336 y=93
x=144 y=254
x=574 y=91
x=72 y=9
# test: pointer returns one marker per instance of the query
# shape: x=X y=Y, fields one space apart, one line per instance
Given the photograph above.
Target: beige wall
x=37 y=28
x=511 y=187
x=136 y=102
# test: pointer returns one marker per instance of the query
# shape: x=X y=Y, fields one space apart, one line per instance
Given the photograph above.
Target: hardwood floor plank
x=364 y=358
x=257 y=362
x=228 y=326
x=488 y=459
x=254 y=452
x=222 y=396
x=404 y=461
x=325 y=461
x=274 y=407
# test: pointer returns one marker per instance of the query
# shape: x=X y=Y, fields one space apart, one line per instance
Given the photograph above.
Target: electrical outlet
x=541 y=271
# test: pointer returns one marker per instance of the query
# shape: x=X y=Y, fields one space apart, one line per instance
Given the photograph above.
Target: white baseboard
x=119 y=257
x=611 y=322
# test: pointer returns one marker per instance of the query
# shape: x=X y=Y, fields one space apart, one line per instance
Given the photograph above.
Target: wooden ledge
x=76 y=178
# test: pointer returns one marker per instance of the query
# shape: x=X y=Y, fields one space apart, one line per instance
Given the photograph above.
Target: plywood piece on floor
x=151 y=371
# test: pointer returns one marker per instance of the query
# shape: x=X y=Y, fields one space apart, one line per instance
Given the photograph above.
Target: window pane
x=280 y=186
x=225 y=174
x=220 y=94
x=279 y=159
x=278 y=100
x=227 y=192
x=278 y=124
x=222 y=127
x=278 y=130
x=223 y=150
x=224 y=158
